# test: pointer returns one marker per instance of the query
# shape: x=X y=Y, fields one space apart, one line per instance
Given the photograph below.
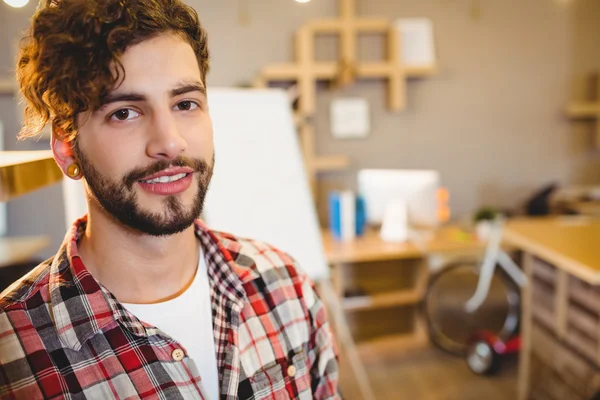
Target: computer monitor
x=417 y=188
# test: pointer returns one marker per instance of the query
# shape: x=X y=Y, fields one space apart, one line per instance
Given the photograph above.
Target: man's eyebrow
x=183 y=88
x=116 y=97
x=188 y=87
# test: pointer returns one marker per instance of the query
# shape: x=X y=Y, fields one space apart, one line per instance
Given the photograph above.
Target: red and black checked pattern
x=63 y=335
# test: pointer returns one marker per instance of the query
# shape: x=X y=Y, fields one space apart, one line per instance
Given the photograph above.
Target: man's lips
x=176 y=180
x=169 y=172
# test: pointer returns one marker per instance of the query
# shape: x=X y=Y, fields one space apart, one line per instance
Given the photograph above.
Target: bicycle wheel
x=450 y=325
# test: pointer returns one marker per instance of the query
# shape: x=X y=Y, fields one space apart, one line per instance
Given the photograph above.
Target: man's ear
x=64 y=155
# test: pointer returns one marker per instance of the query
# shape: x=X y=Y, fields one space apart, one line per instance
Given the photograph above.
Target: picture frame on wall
x=350 y=118
x=417 y=42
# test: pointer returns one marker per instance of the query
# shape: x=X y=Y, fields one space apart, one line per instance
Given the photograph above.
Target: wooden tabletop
x=370 y=247
x=24 y=171
x=12 y=158
x=20 y=249
x=570 y=243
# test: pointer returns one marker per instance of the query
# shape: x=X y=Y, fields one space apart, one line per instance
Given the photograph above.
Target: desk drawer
x=543 y=284
x=544 y=272
x=584 y=294
x=568 y=308
x=558 y=371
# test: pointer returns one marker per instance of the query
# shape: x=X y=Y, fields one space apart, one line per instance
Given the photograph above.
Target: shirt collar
x=83 y=307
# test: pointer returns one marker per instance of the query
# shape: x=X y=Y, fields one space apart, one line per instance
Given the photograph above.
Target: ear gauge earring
x=73 y=170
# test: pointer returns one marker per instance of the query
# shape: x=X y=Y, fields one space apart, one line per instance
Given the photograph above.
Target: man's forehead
x=160 y=64
x=158 y=59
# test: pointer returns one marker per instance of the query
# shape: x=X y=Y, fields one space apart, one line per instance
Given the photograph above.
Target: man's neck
x=135 y=267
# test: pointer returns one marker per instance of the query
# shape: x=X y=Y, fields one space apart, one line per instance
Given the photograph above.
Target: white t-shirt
x=188 y=319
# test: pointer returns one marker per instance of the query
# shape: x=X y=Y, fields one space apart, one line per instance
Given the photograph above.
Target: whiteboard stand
x=260 y=190
x=345 y=338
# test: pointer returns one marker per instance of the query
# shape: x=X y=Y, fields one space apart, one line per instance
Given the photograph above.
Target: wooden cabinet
x=382 y=284
x=560 y=354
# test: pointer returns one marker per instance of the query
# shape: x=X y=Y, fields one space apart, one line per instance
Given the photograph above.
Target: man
x=143 y=300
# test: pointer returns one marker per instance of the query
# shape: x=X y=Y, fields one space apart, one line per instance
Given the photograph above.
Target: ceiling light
x=16 y=3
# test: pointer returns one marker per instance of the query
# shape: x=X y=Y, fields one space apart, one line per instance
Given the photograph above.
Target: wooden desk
x=560 y=352
x=376 y=266
x=371 y=247
x=570 y=243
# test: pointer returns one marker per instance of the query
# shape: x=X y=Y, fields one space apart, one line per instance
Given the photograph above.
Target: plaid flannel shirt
x=64 y=335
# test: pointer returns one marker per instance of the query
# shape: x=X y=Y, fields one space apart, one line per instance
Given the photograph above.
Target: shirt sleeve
x=16 y=377
x=323 y=358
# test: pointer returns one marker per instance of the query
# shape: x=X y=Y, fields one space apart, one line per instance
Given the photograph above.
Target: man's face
x=147 y=154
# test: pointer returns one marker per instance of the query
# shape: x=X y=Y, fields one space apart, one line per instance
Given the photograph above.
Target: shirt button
x=291 y=371
x=177 y=354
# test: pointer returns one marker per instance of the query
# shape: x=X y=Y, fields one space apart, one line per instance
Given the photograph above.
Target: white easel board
x=259 y=187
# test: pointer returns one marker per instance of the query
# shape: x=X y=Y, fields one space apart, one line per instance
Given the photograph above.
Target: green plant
x=485 y=214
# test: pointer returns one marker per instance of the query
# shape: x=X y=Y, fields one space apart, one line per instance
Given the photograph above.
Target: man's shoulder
x=267 y=261
x=26 y=287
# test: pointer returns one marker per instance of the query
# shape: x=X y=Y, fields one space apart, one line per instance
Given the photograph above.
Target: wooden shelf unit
x=588 y=110
x=330 y=70
x=583 y=110
x=305 y=71
x=381 y=284
x=331 y=163
x=383 y=300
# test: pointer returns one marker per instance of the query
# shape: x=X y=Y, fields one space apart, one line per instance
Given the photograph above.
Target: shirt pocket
x=284 y=379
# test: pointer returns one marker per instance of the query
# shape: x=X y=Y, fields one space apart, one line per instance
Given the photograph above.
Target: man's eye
x=186 y=105
x=124 y=114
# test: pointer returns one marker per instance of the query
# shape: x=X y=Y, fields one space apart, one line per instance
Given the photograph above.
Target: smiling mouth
x=167 y=178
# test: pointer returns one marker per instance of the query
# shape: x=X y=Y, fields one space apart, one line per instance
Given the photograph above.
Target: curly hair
x=69 y=59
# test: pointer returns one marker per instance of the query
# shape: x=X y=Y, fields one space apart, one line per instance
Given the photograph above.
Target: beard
x=120 y=201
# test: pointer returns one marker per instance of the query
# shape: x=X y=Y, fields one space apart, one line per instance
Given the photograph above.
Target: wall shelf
x=331 y=163
x=382 y=300
x=305 y=71
x=330 y=70
x=7 y=86
x=583 y=110
x=24 y=171
x=588 y=110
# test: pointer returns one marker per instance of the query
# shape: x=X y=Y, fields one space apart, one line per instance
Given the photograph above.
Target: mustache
x=196 y=164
